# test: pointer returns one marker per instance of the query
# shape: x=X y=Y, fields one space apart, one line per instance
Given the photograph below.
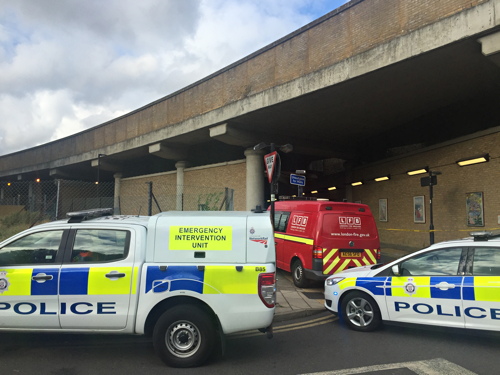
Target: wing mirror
x=396 y=270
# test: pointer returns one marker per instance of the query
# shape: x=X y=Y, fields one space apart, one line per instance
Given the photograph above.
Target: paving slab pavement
x=293 y=302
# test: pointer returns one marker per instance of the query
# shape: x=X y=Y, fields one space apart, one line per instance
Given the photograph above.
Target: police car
x=453 y=284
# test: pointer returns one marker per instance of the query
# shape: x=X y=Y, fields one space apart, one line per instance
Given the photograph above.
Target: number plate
x=351 y=254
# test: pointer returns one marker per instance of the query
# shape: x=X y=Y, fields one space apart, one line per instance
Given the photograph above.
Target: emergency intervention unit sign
x=270 y=161
x=201 y=238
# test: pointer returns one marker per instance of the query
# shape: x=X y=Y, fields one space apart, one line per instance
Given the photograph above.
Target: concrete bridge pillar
x=116 y=204
x=180 y=165
x=255 y=178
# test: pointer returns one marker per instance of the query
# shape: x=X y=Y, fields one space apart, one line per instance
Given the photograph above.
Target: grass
x=15 y=223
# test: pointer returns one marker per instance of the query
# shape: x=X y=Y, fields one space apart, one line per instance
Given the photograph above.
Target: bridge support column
x=180 y=165
x=255 y=179
x=116 y=203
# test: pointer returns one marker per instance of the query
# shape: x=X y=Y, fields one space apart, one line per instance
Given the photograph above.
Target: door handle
x=42 y=277
x=115 y=275
x=443 y=285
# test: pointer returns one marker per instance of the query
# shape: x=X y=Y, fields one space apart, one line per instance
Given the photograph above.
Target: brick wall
x=134 y=193
x=230 y=175
x=449 y=203
x=202 y=186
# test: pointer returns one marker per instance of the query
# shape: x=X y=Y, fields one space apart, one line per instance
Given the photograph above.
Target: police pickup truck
x=186 y=278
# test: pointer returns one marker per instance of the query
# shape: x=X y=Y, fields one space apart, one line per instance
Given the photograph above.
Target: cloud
x=70 y=65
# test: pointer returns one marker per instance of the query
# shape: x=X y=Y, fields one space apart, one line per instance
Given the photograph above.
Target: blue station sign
x=299 y=180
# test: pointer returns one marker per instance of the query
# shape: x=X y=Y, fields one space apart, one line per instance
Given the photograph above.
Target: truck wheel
x=298 y=275
x=360 y=312
x=184 y=336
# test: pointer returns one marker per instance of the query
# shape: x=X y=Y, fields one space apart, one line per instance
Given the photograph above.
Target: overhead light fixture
x=383 y=178
x=314 y=192
x=357 y=183
x=474 y=160
x=418 y=171
x=332 y=188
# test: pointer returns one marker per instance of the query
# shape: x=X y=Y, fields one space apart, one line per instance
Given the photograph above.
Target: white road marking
x=437 y=366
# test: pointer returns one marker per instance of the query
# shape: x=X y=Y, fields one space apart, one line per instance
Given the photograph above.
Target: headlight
x=333 y=280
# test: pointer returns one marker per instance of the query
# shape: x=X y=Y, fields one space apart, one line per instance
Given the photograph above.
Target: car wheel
x=184 y=336
x=298 y=275
x=360 y=312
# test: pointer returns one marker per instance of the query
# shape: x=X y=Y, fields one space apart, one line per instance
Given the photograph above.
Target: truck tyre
x=184 y=336
x=298 y=275
x=360 y=312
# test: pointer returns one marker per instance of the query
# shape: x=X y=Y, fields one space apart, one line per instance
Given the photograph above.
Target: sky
x=69 y=65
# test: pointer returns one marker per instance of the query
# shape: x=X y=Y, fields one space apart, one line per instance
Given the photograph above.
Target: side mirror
x=396 y=270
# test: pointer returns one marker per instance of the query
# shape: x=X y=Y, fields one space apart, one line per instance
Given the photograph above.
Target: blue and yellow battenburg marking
x=72 y=281
x=470 y=288
x=482 y=288
x=204 y=280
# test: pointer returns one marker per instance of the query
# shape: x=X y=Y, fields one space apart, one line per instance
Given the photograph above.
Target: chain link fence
x=151 y=198
x=27 y=203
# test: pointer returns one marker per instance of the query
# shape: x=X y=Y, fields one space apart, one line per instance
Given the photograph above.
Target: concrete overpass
x=370 y=80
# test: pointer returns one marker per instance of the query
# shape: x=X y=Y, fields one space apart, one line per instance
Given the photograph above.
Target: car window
x=100 y=245
x=281 y=221
x=35 y=248
x=486 y=261
x=433 y=263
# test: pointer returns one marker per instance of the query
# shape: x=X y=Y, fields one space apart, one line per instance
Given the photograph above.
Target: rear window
x=100 y=245
x=281 y=221
x=349 y=225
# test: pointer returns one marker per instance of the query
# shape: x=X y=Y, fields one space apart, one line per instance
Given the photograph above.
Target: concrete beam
x=232 y=136
x=106 y=165
x=226 y=133
x=490 y=46
x=169 y=151
x=58 y=173
x=305 y=146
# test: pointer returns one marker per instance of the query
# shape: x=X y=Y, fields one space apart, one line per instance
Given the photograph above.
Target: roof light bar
x=78 y=216
x=485 y=235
